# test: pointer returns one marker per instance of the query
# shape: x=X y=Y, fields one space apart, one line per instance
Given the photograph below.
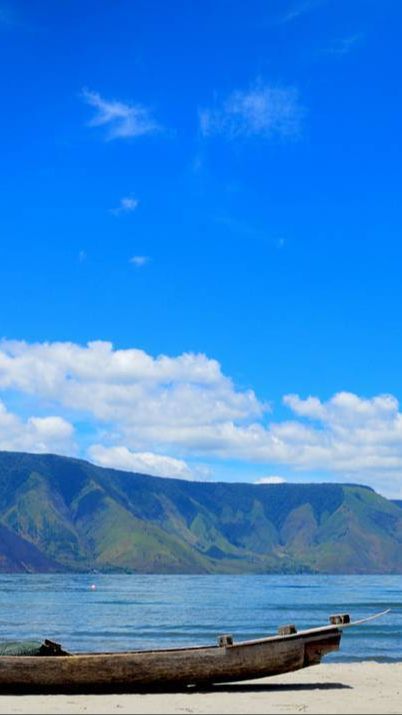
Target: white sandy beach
x=372 y=688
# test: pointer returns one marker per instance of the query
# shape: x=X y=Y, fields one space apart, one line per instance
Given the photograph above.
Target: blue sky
x=212 y=191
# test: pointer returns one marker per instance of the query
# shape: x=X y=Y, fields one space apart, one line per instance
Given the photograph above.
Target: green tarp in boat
x=45 y=647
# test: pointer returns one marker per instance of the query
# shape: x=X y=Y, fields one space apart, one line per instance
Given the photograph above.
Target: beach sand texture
x=372 y=688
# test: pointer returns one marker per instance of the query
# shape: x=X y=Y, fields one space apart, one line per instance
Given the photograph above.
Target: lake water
x=95 y=612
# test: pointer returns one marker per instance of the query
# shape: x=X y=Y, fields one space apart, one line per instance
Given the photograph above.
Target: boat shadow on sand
x=188 y=690
x=267 y=687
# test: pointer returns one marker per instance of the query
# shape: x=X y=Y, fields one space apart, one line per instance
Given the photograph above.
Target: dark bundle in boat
x=32 y=648
x=47 y=667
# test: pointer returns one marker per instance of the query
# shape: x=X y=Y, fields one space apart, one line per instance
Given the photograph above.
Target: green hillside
x=63 y=514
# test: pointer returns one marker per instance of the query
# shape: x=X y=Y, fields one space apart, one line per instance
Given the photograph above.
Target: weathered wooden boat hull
x=164 y=669
x=173 y=667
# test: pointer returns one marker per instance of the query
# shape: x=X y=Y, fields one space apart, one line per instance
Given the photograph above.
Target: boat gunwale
x=184 y=649
x=277 y=638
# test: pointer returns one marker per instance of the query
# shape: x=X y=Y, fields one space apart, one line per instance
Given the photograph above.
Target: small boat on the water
x=46 y=667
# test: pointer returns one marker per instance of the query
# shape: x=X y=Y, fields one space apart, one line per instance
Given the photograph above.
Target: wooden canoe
x=174 y=667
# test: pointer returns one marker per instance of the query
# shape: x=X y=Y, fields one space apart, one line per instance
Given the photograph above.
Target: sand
x=372 y=688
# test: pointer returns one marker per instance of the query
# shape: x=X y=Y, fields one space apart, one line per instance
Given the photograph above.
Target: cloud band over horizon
x=174 y=415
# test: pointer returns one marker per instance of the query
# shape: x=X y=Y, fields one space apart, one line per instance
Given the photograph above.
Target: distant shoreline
x=364 y=688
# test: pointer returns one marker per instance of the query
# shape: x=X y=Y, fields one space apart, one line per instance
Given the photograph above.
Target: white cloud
x=184 y=408
x=311 y=407
x=270 y=480
x=120 y=457
x=36 y=434
x=139 y=260
x=260 y=111
x=344 y=408
x=127 y=388
x=122 y=120
x=127 y=205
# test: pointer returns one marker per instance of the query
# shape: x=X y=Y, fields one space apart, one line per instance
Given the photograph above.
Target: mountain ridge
x=71 y=515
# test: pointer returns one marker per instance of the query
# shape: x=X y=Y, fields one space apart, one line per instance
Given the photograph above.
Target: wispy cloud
x=299 y=9
x=260 y=111
x=122 y=120
x=344 y=45
x=127 y=205
x=82 y=256
x=139 y=260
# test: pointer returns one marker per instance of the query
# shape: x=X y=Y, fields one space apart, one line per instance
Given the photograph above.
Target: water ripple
x=121 y=612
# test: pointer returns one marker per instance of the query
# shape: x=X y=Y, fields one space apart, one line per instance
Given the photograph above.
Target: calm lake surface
x=119 y=612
